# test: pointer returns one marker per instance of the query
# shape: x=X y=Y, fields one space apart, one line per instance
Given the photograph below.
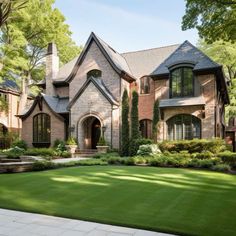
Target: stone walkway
x=27 y=224
x=65 y=160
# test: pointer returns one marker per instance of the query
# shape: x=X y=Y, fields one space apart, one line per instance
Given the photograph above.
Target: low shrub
x=203 y=155
x=148 y=149
x=114 y=160
x=14 y=153
x=129 y=161
x=198 y=163
x=20 y=143
x=43 y=165
x=58 y=142
x=228 y=158
x=40 y=152
x=221 y=168
x=194 y=146
x=92 y=162
x=102 y=141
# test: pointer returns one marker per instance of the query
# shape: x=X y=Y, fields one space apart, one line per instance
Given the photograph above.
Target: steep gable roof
x=100 y=86
x=186 y=53
x=144 y=62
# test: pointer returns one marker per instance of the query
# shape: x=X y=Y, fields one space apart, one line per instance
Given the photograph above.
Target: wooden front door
x=96 y=132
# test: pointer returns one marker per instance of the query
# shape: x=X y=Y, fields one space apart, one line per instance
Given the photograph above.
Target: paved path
x=65 y=160
x=27 y=224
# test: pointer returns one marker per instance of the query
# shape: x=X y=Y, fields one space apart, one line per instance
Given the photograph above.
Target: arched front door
x=90 y=132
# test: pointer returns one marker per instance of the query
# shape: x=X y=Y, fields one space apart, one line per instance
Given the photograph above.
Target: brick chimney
x=52 y=67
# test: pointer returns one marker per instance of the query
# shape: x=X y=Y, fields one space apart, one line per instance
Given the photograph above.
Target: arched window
x=184 y=127
x=145 y=127
x=145 y=85
x=42 y=129
x=94 y=73
x=181 y=84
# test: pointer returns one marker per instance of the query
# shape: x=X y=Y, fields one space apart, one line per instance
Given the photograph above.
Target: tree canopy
x=225 y=54
x=214 y=20
x=24 y=39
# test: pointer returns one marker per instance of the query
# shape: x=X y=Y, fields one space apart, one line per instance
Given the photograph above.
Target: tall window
x=145 y=85
x=184 y=127
x=41 y=128
x=145 y=127
x=94 y=73
x=182 y=82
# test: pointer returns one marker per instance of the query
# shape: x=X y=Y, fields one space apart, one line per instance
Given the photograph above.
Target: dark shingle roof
x=9 y=85
x=186 y=53
x=144 y=62
x=57 y=104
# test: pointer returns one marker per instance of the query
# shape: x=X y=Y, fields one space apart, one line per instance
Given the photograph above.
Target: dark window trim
x=182 y=80
x=45 y=139
x=170 y=122
x=142 y=82
x=94 y=73
x=146 y=128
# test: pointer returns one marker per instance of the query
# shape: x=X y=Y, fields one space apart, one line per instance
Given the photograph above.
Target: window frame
x=146 y=128
x=45 y=131
x=182 y=68
x=89 y=73
x=141 y=81
x=171 y=123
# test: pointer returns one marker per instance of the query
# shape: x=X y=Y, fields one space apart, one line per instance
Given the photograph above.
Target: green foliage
x=155 y=119
x=25 y=37
x=44 y=152
x=43 y=165
x=125 y=125
x=135 y=134
x=3 y=105
x=92 y=162
x=194 y=146
x=57 y=142
x=214 y=20
x=203 y=155
x=221 y=168
x=228 y=158
x=148 y=149
x=20 y=143
x=224 y=53
x=14 y=152
x=102 y=141
x=71 y=141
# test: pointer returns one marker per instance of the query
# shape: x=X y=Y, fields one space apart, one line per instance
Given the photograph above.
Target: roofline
x=149 y=49
x=91 y=38
x=85 y=85
x=39 y=97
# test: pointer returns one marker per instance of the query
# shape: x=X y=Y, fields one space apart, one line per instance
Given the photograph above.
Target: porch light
x=72 y=128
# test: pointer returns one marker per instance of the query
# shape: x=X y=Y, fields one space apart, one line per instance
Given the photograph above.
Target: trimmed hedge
x=40 y=152
x=228 y=158
x=194 y=146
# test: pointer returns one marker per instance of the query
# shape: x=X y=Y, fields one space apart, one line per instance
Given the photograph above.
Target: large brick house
x=83 y=97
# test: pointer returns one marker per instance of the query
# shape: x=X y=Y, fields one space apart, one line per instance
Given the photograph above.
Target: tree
x=155 y=119
x=225 y=54
x=25 y=38
x=214 y=20
x=125 y=125
x=8 y=7
x=135 y=134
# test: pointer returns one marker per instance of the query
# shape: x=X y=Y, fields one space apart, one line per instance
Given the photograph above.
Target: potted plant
x=71 y=145
x=102 y=146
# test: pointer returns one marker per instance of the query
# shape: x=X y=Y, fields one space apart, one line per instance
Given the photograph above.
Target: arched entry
x=90 y=132
x=3 y=129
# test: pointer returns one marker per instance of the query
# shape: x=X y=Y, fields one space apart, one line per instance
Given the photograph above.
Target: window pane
x=176 y=83
x=94 y=73
x=145 y=127
x=187 y=82
x=184 y=127
x=145 y=85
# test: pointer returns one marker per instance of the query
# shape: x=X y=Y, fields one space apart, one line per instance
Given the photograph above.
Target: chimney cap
x=52 y=49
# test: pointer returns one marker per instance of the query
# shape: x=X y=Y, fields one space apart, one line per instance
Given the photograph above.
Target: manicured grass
x=179 y=201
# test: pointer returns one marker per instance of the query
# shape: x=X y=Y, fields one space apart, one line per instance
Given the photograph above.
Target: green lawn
x=163 y=199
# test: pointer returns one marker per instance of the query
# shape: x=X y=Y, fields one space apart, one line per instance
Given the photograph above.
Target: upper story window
x=181 y=84
x=94 y=73
x=145 y=85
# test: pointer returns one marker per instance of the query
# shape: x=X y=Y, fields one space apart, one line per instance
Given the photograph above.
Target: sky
x=127 y=25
